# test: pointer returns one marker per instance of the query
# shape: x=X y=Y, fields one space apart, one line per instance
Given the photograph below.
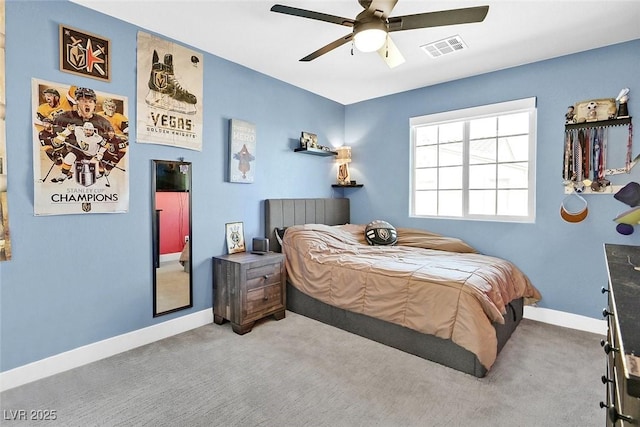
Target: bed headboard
x=281 y=213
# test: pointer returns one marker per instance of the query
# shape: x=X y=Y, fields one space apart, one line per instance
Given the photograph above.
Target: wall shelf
x=599 y=124
x=570 y=151
x=315 y=152
x=609 y=189
x=347 y=186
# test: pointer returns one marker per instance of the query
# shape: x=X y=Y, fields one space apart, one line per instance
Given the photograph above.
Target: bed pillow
x=380 y=233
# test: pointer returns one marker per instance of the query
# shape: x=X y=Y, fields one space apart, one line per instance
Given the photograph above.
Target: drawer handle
x=608 y=348
x=606 y=380
x=606 y=313
x=614 y=415
x=266 y=277
x=604 y=290
x=265 y=295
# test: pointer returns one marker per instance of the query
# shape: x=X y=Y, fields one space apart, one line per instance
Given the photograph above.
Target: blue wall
x=564 y=261
x=55 y=294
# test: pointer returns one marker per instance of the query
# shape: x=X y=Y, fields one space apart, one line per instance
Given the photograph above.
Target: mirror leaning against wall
x=171 y=221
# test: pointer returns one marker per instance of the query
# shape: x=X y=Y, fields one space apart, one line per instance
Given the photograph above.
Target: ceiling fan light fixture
x=372 y=26
x=370 y=36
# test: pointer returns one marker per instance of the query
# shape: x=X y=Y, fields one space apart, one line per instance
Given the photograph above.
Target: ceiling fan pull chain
x=386 y=49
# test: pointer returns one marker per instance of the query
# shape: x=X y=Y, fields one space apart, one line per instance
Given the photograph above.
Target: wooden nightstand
x=248 y=287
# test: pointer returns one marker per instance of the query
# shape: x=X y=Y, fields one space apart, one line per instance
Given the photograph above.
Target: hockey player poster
x=79 y=150
x=169 y=94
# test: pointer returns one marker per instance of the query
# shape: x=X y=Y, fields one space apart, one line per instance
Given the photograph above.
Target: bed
x=465 y=334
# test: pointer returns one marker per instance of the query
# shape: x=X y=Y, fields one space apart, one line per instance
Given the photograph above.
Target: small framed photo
x=84 y=54
x=308 y=140
x=235 y=237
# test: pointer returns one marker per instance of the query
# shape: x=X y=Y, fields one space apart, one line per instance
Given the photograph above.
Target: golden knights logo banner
x=85 y=54
x=169 y=94
x=80 y=145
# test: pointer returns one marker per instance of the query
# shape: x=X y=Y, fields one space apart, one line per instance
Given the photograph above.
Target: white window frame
x=466 y=115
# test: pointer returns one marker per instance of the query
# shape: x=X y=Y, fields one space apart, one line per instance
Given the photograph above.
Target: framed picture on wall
x=242 y=151
x=235 y=237
x=308 y=140
x=84 y=54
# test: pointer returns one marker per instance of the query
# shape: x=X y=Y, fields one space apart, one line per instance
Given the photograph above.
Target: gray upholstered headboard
x=281 y=213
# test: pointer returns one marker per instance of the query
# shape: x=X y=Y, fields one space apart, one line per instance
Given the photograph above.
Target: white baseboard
x=93 y=352
x=121 y=343
x=567 y=320
x=170 y=257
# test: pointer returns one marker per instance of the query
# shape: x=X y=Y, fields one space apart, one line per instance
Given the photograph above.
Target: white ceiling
x=514 y=32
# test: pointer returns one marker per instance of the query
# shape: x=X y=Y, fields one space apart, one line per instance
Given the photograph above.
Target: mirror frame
x=155 y=237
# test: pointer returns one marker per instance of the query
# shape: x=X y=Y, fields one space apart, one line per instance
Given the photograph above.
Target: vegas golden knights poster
x=169 y=94
x=80 y=144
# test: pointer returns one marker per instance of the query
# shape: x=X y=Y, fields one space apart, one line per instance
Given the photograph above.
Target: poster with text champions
x=80 y=144
x=169 y=94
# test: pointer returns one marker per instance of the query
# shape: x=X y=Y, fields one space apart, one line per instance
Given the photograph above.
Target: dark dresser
x=622 y=345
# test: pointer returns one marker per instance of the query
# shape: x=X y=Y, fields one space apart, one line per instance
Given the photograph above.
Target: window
x=476 y=163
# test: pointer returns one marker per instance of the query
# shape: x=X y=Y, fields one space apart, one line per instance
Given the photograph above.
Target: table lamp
x=343 y=159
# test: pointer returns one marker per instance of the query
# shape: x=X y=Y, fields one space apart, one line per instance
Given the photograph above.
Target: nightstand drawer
x=264 y=299
x=265 y=275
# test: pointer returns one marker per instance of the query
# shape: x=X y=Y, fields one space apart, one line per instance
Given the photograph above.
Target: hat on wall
x=625 y=229
x=631 y=217
x=629 y=194
x=572 y=212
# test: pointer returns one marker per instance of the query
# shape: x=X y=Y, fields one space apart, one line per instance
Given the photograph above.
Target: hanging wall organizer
x=586 y=165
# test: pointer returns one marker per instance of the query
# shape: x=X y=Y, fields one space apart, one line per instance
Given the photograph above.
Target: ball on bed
x=380 y=232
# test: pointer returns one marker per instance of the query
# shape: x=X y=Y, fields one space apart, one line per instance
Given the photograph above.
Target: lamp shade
x=344 y=155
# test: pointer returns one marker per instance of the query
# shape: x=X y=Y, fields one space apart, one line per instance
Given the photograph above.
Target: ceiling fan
x=372 y=26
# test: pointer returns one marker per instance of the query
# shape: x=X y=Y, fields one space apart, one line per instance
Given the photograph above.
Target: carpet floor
x=299 y=372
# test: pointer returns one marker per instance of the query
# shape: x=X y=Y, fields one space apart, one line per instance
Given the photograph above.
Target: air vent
x=445 y=46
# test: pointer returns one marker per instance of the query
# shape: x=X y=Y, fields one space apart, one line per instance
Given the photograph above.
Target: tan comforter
x=427 y=282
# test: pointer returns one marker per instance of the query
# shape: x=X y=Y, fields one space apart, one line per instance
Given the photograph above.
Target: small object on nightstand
x=247 y=288
x=260 y=245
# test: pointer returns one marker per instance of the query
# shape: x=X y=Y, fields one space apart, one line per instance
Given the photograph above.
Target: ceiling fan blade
x=391 y=54
x=384 y=6
x=438 y=19
x=287 y=10
x=327 y=48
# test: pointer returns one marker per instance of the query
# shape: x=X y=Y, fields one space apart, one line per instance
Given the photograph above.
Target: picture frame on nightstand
x=234 y=232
